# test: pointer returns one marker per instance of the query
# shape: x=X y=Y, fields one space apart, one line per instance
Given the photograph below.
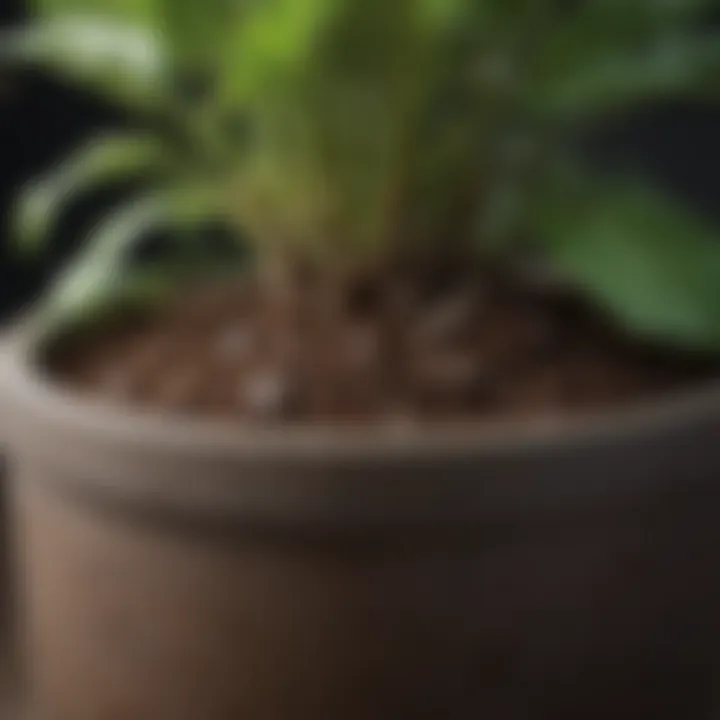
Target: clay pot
x=179 y=570
x=7 y=629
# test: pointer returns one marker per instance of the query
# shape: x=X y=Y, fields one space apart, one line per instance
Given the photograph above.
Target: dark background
x=39 y=121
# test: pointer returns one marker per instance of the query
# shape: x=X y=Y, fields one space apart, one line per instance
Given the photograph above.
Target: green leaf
x=645 y=15
x=272 y=43
x=648 y=261
x=126 y=63
x=200 y=32
x=600 y=57
x=611 y=77
x=99 y=269
x=103 y=270
x=101 y=161
x=195 y=33
x=136 y=11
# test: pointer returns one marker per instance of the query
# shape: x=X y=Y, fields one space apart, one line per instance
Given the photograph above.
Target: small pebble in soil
x=448 y=373
x=265 y=394
x=178 y=389
x=540 y=340
x=401 y=420
x=234 y=343
x=362 y=346
x=147 y=359
x=448 y=317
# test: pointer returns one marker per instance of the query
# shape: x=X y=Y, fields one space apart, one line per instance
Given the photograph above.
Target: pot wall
x=185 y=571
x=573 y=612
x=588 y=614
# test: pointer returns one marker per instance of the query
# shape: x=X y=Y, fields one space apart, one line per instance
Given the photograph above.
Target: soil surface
x=458 y=348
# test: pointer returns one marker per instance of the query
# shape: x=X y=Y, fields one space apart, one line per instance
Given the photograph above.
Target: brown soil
x=440 y=349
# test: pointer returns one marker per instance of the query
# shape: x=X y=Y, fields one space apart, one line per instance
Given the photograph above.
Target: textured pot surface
x=7 y=610
x=181 y=571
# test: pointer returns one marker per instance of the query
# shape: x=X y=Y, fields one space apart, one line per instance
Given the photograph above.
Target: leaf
x=99 y=268
x=607 y=79
x=599 y=57
x=126 y=63
x=136 y=11
x=103 y=269
x=200 y=32
x=273 y=43
x=645 y=259
x=646 y=14
x=101 y=161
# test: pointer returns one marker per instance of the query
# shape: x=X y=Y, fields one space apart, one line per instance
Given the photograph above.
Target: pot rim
x=24 y=383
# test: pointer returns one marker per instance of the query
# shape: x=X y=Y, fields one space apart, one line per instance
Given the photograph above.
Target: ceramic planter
x=178 y=570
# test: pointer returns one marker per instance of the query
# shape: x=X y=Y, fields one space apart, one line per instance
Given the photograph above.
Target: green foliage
x=126 y=63
x=101 y=161
x=355 y=130
x=653 y=263
x=602 y=76
x=103 y=274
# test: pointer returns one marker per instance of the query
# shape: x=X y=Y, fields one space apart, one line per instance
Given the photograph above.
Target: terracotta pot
x=180 y=570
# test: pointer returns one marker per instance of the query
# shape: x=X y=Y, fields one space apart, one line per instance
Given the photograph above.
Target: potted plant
x=445 y=445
